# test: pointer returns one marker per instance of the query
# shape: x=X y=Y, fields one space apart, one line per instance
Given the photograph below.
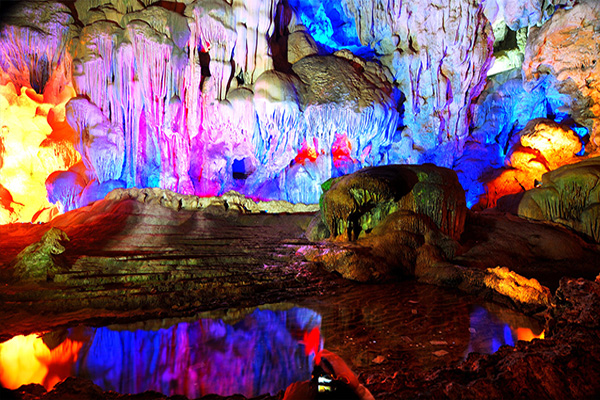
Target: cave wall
x=271 y=98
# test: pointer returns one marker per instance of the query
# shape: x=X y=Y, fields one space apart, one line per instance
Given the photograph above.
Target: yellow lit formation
x=29 y=155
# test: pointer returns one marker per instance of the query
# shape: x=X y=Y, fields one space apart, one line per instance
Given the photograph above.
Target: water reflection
x=266 y=350
x=28 y=359
x=493 y=327
x=261 y=353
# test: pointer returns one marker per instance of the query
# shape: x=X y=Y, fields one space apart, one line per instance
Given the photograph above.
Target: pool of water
x=414 y=326
x=263 y=350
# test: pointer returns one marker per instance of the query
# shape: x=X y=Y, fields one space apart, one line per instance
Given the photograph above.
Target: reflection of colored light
x=528 y=335
x=256 y=355
x=307 y=152
x=312 y=344
x=508 y=339
x=495 y=345
x=261 y=353
x=27 y=359
x=489 y=331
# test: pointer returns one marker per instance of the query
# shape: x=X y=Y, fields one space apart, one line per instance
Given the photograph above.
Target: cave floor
x=533 y=249
x=136 y=260
x=127 y=261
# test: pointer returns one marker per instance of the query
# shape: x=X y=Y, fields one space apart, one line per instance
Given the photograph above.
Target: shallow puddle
x=260 y=351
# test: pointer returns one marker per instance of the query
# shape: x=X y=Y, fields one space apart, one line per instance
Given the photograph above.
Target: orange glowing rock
x=27 y=359
x=547 y=143
x=544 y=146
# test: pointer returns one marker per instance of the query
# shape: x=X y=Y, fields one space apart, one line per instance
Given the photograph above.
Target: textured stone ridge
x=358 y=202
x=570 y=196
x=231 y=199
x=525 y=292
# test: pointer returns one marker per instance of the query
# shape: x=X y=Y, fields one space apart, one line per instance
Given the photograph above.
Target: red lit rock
x=543 y=146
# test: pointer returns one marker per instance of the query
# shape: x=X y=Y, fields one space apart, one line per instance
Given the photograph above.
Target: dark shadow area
x=278 y=43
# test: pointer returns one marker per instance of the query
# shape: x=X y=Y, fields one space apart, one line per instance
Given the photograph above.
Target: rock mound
x=358 y=202
x=569 y=196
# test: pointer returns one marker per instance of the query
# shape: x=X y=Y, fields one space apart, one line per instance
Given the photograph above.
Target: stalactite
x=254 y=25
x=439 y=55
x=33 y=41
x=214 y=25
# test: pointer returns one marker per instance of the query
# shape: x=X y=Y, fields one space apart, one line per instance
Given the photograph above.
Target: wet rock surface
x=563 y=365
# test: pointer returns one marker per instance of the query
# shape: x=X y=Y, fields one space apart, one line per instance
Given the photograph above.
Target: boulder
x=388 y=221
x=402 y=245
x=570 y=196
x=300 y=45
x=355 y=204
x=542 y=146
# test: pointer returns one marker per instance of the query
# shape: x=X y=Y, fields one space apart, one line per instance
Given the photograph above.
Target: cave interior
x=269 y=199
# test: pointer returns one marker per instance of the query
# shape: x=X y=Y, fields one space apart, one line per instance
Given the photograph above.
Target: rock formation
x=568 y=196
x=564 y=47
x=272 y=99
x=189 y=79
x=389 y=221
x=358 y=202
x=542 y=146
x=38 y=262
